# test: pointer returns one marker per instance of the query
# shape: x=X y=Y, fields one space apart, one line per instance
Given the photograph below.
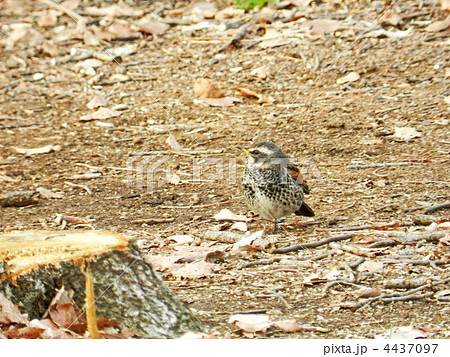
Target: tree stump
x=35 y=264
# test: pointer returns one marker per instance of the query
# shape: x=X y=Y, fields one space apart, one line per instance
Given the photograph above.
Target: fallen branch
x=406 y=238
x=372 y=226
x=408 y=297
x=436 y=207
x=223 y=236
x=319 y=243
x=405 y=296
x=406 y=283
x=353 y=250
x=418 y=262
x=413 y=238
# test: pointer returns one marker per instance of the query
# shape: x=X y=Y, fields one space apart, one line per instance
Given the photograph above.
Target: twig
x=153 y=220
x=259 y=262
x=291 y=15
x=357 y=263
x=280 y=297
x=406 y=283
x=408 y=297
x=418 y=262
x=337 y=282
x=346 y=207
x=385 y=164
x=371 y=226
x=84 y=187
x=436 y=207
x=317 y=257
x=352 y=250
x=12 y=126
x=319 y=243
x=239 y=35
x=70 y=58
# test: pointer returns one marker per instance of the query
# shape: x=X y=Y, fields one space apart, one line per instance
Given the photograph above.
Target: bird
x=273 y=185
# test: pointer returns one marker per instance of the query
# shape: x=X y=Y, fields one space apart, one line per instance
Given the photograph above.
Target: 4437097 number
x=411 y=348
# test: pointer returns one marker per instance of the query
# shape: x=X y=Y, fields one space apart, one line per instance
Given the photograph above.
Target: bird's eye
x=255 y=152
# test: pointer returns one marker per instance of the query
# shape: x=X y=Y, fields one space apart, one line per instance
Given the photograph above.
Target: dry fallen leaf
x=162 y=263
x=251 y=322
x=240 y=226
x=181 y=239
x=102 y=113
x=70 y=4
x=204 y=88
x=405 y=134
x=252 y=94
x=97 y=101
x=272 y=38
x=321 y=26
x=226 y=215
x=41 y=150
x=45 y=193
x=248 y=240
x=26 y=332
x=192 y=270
x=288 y=326
x=365 y=293
x=48 y=18
x=370 y=266
x=439 y=25
x=123 y=31
x=49 y=48
x=445 y=240
x=445 y=5
x=153 y=27
x=262 y=72
x=173 y=143
x=89 y=63
x=9 y=313
x=402 y=332
x=391 y=17
x=351 y=77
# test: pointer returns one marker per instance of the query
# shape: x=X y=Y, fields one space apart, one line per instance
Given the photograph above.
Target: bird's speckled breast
x=272 y=193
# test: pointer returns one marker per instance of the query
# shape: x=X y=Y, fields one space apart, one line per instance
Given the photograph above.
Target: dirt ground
x=326 y=126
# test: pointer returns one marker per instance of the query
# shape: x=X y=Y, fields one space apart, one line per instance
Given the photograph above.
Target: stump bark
x=35 y=264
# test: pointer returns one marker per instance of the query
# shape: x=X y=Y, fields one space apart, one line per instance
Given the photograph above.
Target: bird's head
x=265 y=154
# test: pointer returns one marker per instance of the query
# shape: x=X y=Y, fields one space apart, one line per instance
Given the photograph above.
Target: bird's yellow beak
x=244 y=149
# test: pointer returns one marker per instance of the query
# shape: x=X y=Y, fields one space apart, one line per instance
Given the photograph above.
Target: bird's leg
x=275 y=226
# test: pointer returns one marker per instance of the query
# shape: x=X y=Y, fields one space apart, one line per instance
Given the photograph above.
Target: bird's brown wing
x=304 y=210
x=298 y=177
